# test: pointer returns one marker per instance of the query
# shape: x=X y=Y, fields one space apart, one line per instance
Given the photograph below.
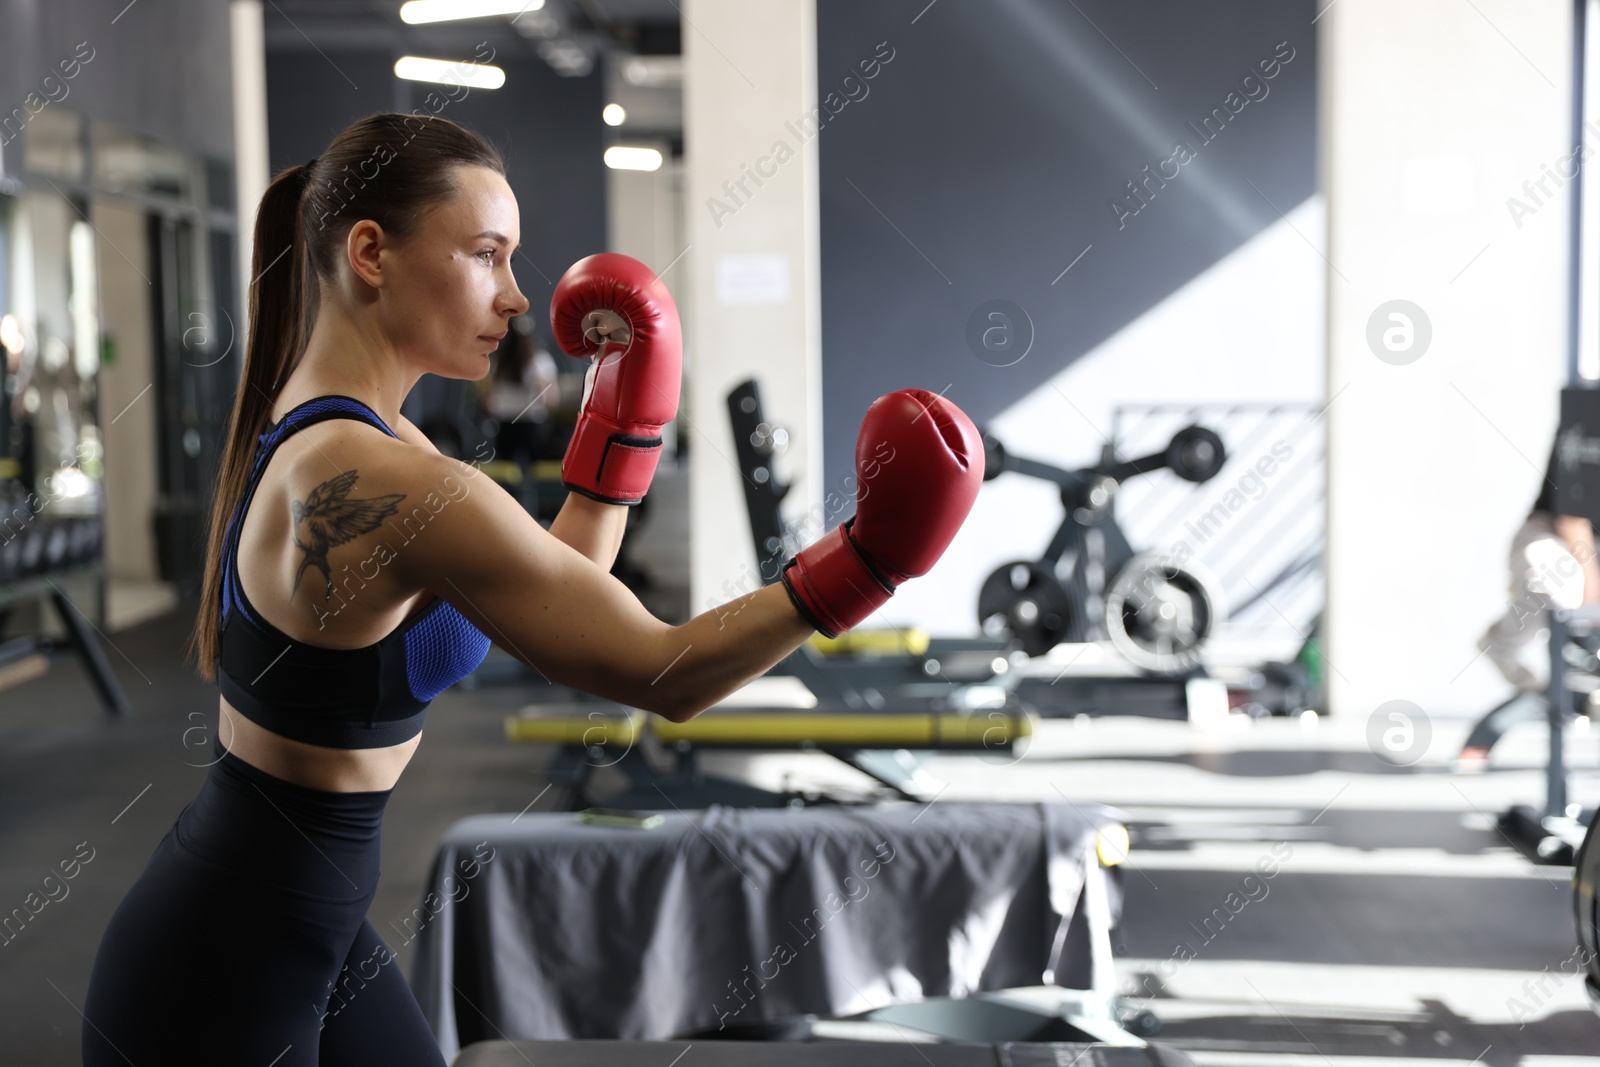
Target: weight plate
x=994 y=458
x=1159 y=616
x=1196 y=454
x=1025 y=602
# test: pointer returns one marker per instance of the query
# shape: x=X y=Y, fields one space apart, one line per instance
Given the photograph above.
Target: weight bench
x=882 y=745
x=883 y=1052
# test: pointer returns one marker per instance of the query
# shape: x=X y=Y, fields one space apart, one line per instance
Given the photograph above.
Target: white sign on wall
x=752 y=279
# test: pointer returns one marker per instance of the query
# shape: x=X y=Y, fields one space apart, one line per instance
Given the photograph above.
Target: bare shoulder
x=407 y=432
x=337 y=501
x=344 y=455
x=407 y=499
x=350 y=483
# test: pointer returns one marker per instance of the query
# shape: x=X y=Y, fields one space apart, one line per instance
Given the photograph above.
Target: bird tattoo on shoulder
x=331 y=518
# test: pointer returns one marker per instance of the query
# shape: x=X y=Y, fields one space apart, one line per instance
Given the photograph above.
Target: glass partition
x=116 y=281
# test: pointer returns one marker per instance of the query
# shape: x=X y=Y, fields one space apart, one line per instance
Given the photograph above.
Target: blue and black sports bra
x=368 y=697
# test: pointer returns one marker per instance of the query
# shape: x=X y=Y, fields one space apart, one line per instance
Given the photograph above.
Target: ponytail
x=278 y=332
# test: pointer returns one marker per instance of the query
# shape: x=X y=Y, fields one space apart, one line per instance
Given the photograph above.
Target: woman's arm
x=593 y=528
x=562 y=613
x=447 y=529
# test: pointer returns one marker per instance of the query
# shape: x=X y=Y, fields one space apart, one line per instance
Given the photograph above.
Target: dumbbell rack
x=1555 y=831
x=80 y=631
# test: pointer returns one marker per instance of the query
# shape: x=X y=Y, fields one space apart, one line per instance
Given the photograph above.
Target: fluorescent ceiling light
x=621 y=157
x=614 y=114
x=419 y=11
x=449 y=72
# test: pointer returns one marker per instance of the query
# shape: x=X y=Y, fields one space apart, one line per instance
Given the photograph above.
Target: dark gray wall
x=185 y=98
x=983 y=159
x=547 y=127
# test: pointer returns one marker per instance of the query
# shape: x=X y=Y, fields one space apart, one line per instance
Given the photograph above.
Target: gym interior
x=1245 y=717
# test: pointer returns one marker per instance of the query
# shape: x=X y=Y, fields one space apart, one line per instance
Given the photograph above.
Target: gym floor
x=1399 y=926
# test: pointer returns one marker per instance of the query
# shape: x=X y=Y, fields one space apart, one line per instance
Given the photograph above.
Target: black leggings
x=245 y=941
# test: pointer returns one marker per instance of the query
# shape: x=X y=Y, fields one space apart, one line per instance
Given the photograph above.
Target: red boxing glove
x=616 y=312
x=919 y=465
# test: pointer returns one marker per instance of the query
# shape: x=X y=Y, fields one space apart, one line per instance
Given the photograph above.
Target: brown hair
x=388 y=167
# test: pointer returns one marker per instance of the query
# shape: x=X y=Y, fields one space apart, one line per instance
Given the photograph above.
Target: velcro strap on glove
x=833 y=584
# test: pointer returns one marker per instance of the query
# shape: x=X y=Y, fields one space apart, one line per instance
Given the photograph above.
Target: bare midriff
x=335 y=770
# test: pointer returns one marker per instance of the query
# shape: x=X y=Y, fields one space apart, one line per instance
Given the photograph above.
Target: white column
x=644 y=219
x=1443 y=128
x=252 y=166
x=751 y=208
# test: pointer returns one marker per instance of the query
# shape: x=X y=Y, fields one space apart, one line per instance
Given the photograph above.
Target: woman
x=353 y=573
x=1552 y=564
x=521 y=394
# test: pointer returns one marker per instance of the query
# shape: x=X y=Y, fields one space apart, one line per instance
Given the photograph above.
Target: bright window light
x=419 y=11
x=69 y=481
x=614 y=114
x=623 y=158
x=448 y=72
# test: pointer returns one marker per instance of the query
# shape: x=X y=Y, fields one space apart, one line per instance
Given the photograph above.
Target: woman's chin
x=469 y=367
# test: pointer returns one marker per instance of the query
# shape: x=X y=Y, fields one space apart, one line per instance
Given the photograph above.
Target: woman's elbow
x=675 y=694
x=678 y=712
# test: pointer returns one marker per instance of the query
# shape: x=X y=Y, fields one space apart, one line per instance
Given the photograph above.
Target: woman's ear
x=364 y=246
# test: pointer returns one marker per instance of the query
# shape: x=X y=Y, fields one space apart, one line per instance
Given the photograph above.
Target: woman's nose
x=518 y=304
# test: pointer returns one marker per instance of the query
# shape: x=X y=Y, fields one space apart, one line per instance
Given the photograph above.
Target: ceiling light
x=420 y=11
x=448 y=72
x=653 y=72
x=531 y=24
x=614 y=114
x=566 y=57
x=621 y=157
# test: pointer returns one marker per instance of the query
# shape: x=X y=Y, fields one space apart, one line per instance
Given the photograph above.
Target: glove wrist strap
x=832 y=583
x=611 y=463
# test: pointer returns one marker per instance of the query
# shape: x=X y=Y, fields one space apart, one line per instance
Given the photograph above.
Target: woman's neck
x=345 y=360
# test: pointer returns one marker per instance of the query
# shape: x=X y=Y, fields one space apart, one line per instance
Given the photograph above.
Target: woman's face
x=448 y=292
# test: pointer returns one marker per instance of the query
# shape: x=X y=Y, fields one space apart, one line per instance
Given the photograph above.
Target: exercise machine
x=1554 y=830
x=1156 y=613
x=1146 y=618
